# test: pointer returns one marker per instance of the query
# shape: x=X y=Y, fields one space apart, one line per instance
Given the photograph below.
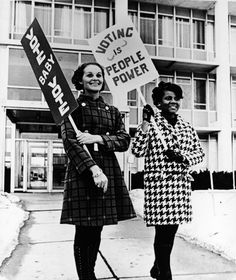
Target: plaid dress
x=85 y=204
x=167 y=185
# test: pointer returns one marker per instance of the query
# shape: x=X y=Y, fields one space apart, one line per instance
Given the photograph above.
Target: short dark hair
x=79 y=72
x=159 y=91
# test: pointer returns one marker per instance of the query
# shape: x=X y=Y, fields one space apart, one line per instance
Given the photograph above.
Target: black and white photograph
x=118 y=139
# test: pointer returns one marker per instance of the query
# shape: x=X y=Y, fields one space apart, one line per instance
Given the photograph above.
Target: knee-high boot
x=94 y=248
x=163 y=244
x=86 y=246
x=161 y=268
x=163 y=259
x=83 y=257
x=155 y=271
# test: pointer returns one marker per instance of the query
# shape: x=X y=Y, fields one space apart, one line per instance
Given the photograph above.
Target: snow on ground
x=213 y=226
x=12 y=218
x=214 y=220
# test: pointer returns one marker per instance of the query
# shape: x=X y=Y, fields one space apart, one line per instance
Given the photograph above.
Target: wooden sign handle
x=77 y=131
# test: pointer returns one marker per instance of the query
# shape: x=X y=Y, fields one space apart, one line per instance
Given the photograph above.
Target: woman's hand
x=147 y=113
x=175 y=156
x=87 y=138
x=145 y=126
x=100 y=179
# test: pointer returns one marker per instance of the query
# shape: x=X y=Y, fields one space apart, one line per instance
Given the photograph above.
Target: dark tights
x=163 y=244
x=86 y=245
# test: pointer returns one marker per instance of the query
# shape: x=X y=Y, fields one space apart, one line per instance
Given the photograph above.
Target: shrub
x=202 y=180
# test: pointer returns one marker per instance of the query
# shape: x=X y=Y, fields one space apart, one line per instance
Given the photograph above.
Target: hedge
x=202 y=180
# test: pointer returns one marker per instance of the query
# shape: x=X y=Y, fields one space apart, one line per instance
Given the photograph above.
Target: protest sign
x=120 y=50
x=49 y=75
x=127 y=64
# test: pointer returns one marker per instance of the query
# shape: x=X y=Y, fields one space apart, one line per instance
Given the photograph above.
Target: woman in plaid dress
x=95 y=193
x=170 y=146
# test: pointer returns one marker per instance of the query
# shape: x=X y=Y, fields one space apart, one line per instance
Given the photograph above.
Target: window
x=24 y=94
x=198 y=34
x=134 y=110
x=82 y=23
x=147 y=92
x=43 y=13
x=233 y=94
x=22 y=18
x=132 y=98
x=186 y=85
x=148 y=29
x=22 y=84
x=165 y=31
x=146 y=26
x=134 y=18
x=166 y=79
x=68 y=62
x=233 y=43
x=63 y=21
x=101 y=20
x=210 y=37
x=183 y=33
x=212 y=95
x=200 y=94
x=66 y=20
x=19 y=71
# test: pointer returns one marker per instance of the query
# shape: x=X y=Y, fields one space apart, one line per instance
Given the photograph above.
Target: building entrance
x=37 y=173
x=38 y=166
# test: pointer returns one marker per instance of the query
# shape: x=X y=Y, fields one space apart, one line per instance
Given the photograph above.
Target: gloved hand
x=174 y=156
x=147 y=112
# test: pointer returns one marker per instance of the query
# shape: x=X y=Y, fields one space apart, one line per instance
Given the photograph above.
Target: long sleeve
x=75 y=152
x=140 y=143
x=119 y=139
x=195 y=154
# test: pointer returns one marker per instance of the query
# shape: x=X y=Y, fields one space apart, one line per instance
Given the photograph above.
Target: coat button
x=107 y=108
x=83 y=104
x=107 y=133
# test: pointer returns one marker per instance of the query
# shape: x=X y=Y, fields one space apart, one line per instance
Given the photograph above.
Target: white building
x=192 y=43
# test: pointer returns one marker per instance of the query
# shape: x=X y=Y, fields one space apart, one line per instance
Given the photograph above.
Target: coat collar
x=163 y=121
x=82 y=97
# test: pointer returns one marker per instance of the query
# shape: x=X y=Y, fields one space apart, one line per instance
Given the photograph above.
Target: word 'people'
x=127 y=64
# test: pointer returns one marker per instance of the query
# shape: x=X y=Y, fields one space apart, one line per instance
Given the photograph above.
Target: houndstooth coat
x=167 y=185
x=85 y=204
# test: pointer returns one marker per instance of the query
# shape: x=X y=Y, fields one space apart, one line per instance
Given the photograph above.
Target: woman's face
x=92 y=79
x=170 y=103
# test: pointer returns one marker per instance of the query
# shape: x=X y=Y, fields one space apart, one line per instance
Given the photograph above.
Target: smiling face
x=92 y=79
x=170 y=103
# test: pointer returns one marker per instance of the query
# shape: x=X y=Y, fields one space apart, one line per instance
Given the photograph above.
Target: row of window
x=198 y=105
x=172 y=26
x=199 y=92
x=199 y=89
x=75 y=21
x=61 y=21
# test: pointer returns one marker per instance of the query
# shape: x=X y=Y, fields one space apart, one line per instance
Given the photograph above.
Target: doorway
x=38 y=166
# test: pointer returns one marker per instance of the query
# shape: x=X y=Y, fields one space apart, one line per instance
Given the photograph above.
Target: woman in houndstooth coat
x=95 y=193
x=170 y=146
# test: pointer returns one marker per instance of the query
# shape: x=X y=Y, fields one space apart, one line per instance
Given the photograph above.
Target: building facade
x=191 y=43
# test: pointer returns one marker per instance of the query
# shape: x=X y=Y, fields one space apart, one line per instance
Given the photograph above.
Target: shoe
x=155 y=273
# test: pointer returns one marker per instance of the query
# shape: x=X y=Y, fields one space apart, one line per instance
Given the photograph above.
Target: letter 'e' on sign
x=49 y=75
x=120 y=50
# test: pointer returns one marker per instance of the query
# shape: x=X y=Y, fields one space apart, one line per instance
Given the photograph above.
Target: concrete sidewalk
x=45 y=250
